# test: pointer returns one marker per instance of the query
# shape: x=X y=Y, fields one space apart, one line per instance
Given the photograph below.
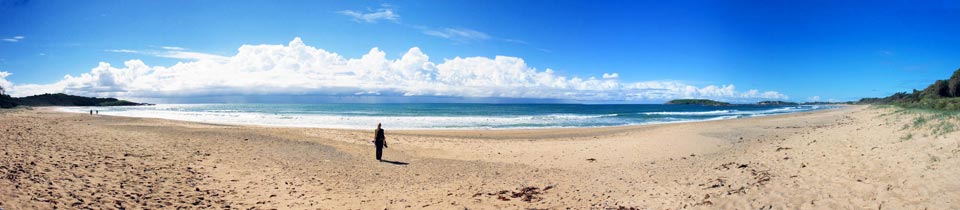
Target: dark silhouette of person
x=91 y=112
x=98 y=112
x=380 y=141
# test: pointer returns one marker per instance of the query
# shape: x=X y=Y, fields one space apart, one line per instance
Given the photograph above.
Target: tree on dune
x=954 y=84
x=941 y=95
x=5 y=100
x=939 y=89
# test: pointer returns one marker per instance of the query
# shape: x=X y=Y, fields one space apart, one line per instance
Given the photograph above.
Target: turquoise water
x=443 y=116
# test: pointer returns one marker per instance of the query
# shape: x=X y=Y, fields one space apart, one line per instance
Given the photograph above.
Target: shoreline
x=61 y=109
x=862 y=157
x=587 y=131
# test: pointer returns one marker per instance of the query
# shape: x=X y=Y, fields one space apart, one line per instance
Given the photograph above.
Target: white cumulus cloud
x=611 y=76
x=3 y=81
x=296 y=68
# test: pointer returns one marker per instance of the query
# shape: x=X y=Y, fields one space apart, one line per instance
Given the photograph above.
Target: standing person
x=91 y=112
x=380 y=141
x=98 y=112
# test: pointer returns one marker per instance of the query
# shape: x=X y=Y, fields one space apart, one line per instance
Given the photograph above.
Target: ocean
x=443 y=116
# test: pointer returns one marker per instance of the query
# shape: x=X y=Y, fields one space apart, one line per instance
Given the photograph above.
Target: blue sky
x=801 y=50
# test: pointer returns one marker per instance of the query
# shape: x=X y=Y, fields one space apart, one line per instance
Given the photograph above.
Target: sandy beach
x=856 y=157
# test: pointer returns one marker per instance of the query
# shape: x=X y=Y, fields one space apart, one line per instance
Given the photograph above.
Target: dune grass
x=934 y=122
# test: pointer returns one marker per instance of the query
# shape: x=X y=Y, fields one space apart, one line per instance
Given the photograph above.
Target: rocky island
x=705 y=102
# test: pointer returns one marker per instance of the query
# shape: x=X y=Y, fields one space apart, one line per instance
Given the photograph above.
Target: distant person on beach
x=98 y=112
x=91 y=112
x=380 y=141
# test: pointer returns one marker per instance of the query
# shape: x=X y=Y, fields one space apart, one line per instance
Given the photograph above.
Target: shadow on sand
x=396 y=162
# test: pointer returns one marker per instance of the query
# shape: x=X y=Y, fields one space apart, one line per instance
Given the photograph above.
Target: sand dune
x=851 y=158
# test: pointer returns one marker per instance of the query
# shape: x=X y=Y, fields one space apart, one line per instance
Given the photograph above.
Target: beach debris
x=704 y=203
x=740 y=190
x=135 y=155
x=728 y=166
x=591 y=159
x=741 y=178
x=783 y=148
x=719 y=183
x=198 y=153
x=761 y=177
x=527 y=194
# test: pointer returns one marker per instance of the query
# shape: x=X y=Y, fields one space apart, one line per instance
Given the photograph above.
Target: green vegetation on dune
x=928 y=122
x=941 y=95
x=706 y=102
x=7 y=102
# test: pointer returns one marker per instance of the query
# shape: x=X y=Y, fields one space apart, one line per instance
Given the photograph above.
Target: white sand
x=852 y=158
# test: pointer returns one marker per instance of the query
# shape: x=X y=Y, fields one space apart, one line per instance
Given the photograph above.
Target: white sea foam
x=349 y=119
x=736 y=112
x=715 y=112
x=355 y=122
x=570 y=116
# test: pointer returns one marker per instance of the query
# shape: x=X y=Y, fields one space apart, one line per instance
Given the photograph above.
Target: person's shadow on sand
x=395 y=162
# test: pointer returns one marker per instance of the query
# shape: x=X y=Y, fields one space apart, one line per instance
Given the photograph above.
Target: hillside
x=941 y=95
x=705 y=102
x=778 y=103
x=61 y=99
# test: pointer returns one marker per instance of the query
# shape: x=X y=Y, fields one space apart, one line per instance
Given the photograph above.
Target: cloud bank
x=296 y=69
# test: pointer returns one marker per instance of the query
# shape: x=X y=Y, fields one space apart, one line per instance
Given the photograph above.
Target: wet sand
x=856 y=157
